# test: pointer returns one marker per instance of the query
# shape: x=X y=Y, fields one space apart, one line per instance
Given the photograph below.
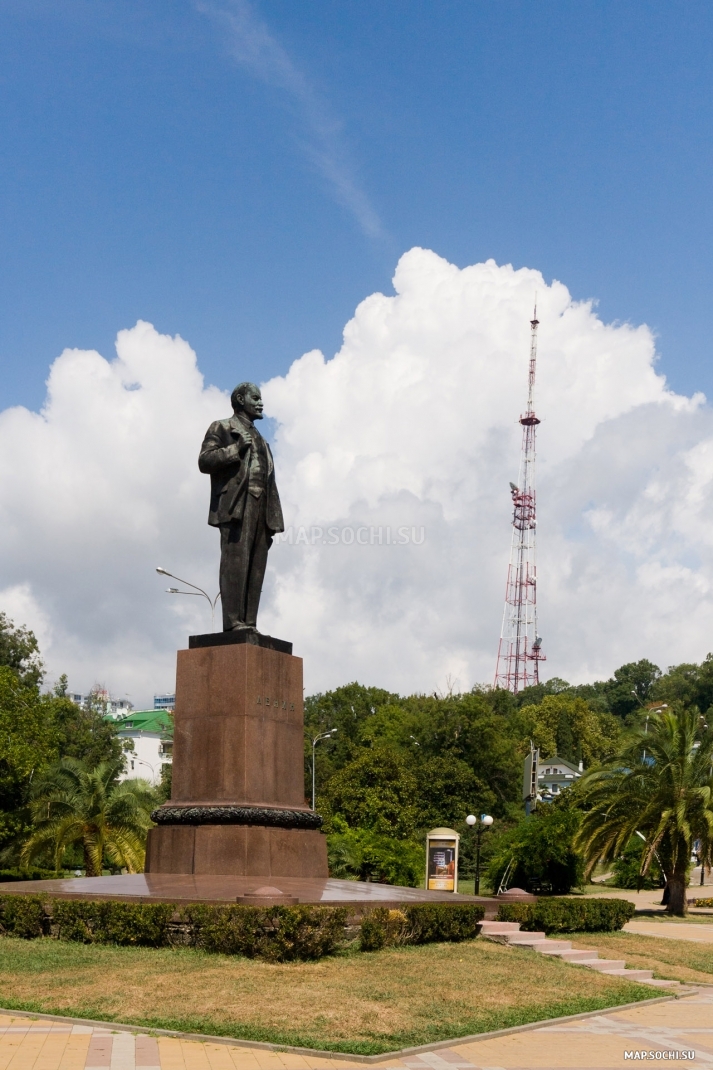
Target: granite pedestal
x=237 y=803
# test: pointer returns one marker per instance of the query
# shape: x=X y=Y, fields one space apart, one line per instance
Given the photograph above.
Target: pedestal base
x=238 y=850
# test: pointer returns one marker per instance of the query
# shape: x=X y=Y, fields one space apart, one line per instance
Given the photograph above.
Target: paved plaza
x=598 y=1042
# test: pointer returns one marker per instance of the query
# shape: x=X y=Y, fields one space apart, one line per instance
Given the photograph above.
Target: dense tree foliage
x=28 y=743
x=627 y=868
x=539 y=854
x=84 y=733
x=567 y=726
x=20 y=652
x=398 y=766
x=659 y=785
x=38 y=729
x=365 y=855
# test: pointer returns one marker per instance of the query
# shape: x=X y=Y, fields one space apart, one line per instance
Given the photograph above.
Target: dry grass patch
x=676 y=960
x=363 y=1003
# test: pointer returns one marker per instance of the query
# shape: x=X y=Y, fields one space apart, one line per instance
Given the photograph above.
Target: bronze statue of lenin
x=244 y=504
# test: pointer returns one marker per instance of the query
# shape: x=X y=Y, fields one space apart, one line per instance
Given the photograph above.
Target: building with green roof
x=150 y=733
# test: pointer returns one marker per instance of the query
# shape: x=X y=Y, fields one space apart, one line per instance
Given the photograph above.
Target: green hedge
x=8 y=876
x=553 y=915
x=419 y=923
x=273 y=933
x=105 y=922
x=276 y=934
x=23 y=915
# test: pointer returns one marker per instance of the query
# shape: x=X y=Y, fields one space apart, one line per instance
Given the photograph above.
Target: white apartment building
x=150 y=734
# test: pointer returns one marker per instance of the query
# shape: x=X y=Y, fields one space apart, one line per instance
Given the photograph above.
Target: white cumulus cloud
x=393 y=461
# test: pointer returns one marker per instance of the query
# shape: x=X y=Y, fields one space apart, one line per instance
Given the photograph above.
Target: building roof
x=157 y=721
x=569 y=766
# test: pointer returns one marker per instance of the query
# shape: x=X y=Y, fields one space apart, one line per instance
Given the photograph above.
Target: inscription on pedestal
x=274 y=702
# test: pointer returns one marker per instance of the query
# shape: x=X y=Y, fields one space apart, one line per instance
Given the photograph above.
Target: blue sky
x=244 y=175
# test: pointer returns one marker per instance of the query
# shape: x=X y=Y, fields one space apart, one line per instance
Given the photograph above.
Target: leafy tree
x=85 y=733
x=564 y=725
x=73 y=805
x=375 y=791
x=19 y=651
x=632 y=686
x=365 y=855
x=627 y=868
x=392 y=725
x=540 y=851
x=448 y=790
x=533 y=695
x=29 y=743
x=687 y=684
x=61 y=687
x=659 y=785
x=474 y=729
x=346 y=709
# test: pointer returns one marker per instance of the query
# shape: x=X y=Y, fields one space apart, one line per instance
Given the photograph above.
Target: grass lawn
x=352 y=1002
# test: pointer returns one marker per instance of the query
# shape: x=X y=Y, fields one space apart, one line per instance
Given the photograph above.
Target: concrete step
x=498 y=928
x=509 y=932
x=657 y=982
x=523 y=938
x=631 y=975
x=553 y=947
x=602 y=964
x=573 y=955
x=530 y=945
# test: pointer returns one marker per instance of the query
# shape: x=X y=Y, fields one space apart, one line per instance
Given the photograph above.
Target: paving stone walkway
x=598 y=1043
x=697 y=932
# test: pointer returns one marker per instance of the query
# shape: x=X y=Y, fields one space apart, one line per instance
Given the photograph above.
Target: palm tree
x=659 y=786
x=108 y=819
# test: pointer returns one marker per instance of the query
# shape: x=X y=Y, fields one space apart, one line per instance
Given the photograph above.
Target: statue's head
x=247 y=398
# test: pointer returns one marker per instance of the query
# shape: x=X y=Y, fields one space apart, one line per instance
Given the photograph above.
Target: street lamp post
x=142 y=762
x=197 y=592
x=315 y=741
x=650 y=710
x=484 y=823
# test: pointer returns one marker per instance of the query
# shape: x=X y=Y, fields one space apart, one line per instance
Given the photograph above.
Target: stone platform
x=207 y=888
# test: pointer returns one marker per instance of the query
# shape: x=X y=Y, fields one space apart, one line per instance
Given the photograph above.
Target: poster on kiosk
x=442 y=860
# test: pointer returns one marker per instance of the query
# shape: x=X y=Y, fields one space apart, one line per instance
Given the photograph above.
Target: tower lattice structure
x=520 y=649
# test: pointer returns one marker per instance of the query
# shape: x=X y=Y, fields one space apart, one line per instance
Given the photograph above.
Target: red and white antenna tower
x=520 y=650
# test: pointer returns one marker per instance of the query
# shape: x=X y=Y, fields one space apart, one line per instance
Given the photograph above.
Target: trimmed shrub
x=24 y=915
x=419 y=923
x=569 y=915
x=277 y=934
x=382 y=927
x=106 y=922
x=8 y=876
